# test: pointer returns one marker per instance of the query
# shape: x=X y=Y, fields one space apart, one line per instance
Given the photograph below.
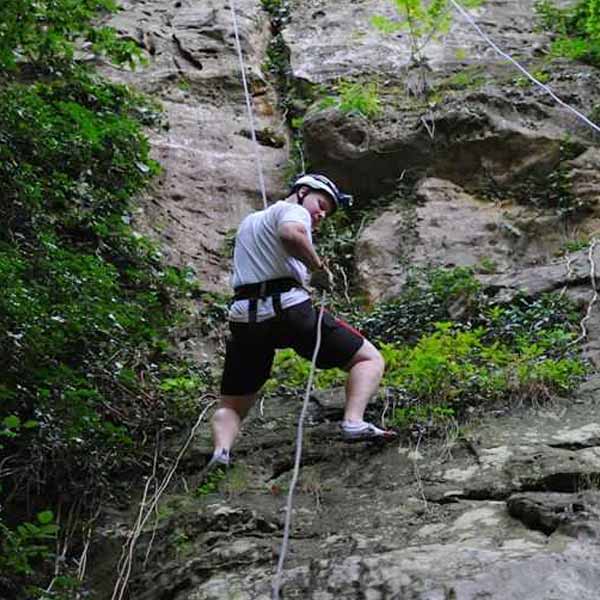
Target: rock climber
x=272 y=309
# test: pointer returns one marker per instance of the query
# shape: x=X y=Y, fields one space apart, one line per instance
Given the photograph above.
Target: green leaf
x=11 y=422
x=45 y=517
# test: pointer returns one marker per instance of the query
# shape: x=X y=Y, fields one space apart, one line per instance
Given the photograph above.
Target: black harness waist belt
x=262 y=290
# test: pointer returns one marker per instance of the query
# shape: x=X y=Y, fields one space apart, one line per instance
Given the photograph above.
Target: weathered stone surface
x=560 y=454
x=516 y=516
x=451 y=228
x=544 y=278
x=210 y=178
x=493 y=131
x=548 y=512
x=479 y=139
x=352 y=45
x=512 y=570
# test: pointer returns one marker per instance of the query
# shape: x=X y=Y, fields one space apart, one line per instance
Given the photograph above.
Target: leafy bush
x=355 y=98
x=88 y=307
x=47 y=30
x=428 y=297
x=437 y=368
x=80 y=286
x=406 y=417
x=290 y=373
x=577 y=26
x=26 y=543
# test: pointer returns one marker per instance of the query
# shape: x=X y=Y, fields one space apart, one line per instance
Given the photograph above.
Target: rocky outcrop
x=479 y=139
x=209 y=177
x=508 y=511
x=452 y=228
x=492 y=128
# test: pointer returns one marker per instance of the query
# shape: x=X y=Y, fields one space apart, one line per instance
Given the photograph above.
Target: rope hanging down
x=248 y=104
x=288 y=509
x=288 y=514
x=525 y=72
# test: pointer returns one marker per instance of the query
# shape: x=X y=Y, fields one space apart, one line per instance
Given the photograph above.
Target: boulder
x=452 y=228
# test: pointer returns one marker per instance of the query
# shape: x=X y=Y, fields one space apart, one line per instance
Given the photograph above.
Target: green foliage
x=355 y=98
x=469 y=78
x=336 y=239
x=424 y=21
x=211 y=483
x=290 y=373
x=26 y=544
x=576 y=245
x=182 y=384
x=452 y=366
x=80 y=285
x=428 y=297
x=273 y=6
x=385 y=25
x=577 y=28
x=236 y=482
x=542 y=75
x=435 y=416
x=88 y=307
x=46 y=31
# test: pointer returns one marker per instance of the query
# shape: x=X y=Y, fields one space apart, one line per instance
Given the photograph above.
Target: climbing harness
x=273 y=288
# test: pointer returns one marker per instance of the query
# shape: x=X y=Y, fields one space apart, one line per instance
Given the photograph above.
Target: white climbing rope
x=523 y=70
x=288 y=509
x=238 y=46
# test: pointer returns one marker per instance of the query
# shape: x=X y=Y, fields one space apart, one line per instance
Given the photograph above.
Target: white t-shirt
x=259 y=255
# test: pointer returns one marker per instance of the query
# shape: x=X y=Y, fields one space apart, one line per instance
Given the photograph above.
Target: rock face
x=210 y=177
x=490 y=127
x=508 y=511
x=480 y=128
x=452 y=228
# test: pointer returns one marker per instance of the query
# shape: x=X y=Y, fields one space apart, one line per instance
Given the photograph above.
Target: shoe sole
x=386 y=437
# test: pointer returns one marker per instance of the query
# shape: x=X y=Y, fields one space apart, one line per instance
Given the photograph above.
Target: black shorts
x=251 y=346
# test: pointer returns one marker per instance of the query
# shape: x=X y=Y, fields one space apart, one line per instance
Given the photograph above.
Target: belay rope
x=238 y=46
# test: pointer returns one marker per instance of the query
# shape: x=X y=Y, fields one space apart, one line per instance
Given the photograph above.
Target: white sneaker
x=364 y=432
x=219 y=459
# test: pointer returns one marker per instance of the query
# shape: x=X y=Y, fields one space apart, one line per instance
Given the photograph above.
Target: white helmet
x=324 y=184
